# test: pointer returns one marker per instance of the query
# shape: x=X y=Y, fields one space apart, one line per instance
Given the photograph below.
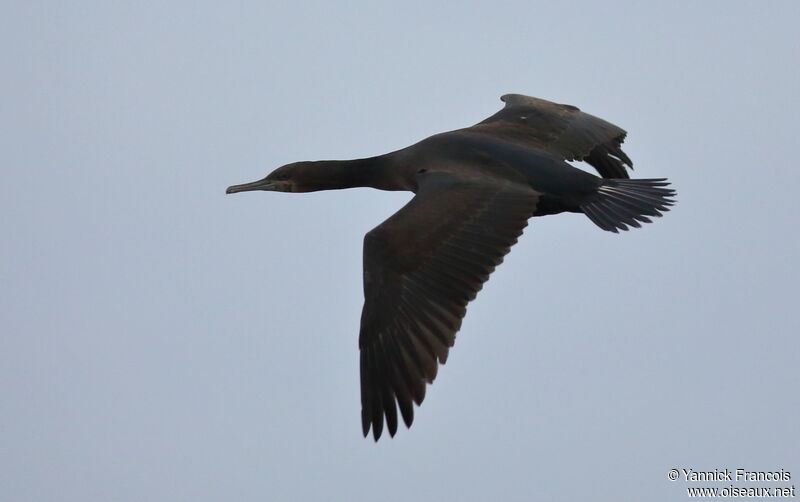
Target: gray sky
x=161 y=341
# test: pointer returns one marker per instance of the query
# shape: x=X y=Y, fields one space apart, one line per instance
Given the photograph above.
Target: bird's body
x=475 y=190
x=466 y=153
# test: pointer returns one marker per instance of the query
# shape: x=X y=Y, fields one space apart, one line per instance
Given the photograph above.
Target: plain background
x=163 y=341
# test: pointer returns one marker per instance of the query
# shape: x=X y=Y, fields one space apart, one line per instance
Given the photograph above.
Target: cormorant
x=475 y=190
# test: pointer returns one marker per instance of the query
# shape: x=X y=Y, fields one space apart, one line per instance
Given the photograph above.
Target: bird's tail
x=620 y=203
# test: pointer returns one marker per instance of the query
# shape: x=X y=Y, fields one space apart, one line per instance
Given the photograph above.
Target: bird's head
x=294 y=177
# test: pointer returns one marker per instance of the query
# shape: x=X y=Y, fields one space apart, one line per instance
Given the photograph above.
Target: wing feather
x=422 y=267
x=562 y=130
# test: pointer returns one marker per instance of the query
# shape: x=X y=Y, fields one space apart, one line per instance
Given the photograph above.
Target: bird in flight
x=475 y=189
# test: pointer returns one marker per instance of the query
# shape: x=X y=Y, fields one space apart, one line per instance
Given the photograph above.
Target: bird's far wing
x=562 y=130
x=421 y=268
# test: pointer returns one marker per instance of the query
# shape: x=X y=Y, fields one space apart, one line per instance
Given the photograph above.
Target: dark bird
x=475 y=190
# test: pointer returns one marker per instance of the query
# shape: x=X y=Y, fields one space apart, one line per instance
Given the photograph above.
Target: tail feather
x=620 y=203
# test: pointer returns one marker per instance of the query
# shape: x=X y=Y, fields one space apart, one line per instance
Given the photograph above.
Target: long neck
x=375 y=172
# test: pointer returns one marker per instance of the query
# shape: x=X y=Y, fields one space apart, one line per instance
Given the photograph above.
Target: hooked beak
x=265 y=184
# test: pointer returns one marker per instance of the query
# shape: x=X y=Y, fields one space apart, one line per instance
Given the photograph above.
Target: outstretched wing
x=562 y=130
x=421 y=268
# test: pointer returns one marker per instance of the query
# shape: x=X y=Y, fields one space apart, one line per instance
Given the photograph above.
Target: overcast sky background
x=164 y=341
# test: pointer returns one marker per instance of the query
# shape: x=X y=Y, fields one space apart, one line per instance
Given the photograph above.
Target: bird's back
x=488 y=156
